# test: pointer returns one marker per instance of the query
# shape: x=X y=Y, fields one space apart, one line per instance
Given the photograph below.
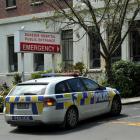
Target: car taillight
x=49 y=102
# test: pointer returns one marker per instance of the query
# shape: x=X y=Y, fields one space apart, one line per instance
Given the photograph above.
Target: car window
x=28 y=90
x=61 y=88
x=90 y=84
x=76 y=85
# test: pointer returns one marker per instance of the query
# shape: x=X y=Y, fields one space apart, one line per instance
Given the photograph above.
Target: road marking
x=127 y=123
x=134 y=116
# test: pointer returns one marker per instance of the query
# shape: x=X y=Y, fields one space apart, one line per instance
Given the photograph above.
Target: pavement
x=133 y=100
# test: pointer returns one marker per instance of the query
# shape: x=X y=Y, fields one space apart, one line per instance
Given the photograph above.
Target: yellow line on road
x=127 y=123
x=134 y=124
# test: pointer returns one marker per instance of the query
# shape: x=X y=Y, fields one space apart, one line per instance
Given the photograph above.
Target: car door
x=99 y=96
x=79 y=96
x=63 y=96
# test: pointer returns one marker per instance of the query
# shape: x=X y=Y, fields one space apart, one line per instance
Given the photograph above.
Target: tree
x=111 y=13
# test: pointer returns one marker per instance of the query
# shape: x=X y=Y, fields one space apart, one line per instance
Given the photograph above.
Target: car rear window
x=28 y=90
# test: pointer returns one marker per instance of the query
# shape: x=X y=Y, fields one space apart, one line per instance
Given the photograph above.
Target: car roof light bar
x=74 y=74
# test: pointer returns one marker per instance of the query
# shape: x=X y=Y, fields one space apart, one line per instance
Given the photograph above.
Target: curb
x=130 y=101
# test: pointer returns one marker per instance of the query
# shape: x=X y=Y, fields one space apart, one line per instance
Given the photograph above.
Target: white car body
x=88 y=103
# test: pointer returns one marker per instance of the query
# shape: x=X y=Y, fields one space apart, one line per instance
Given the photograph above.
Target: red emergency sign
x=35 y=47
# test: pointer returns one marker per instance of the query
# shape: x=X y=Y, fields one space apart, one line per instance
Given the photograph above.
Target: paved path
x=130 y=100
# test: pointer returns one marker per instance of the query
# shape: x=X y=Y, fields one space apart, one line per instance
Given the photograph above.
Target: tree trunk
x=108 y=70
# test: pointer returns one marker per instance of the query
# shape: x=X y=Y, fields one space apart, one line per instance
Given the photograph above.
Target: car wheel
x=1 y=109
x=71 y=118
x=116 y=106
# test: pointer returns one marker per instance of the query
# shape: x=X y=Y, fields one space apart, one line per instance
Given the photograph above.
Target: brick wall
x=23 y=7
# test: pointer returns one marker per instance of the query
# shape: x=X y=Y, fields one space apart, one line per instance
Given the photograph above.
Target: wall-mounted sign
x=37 y=42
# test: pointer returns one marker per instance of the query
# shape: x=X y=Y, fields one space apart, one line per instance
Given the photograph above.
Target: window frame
x=94 y=48
x=12 y=54
x=67 y=48
x=37 y=62
x=134 y=54
x=11 y=6
x=118 y=53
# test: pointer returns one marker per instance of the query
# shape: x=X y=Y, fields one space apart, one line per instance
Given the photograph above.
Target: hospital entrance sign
x=37 y=42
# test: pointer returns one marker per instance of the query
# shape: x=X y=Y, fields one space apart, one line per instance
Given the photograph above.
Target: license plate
x=22 y=106
x=22 y=118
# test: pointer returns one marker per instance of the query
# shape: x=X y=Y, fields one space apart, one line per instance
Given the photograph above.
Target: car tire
x=71 y=118
x=1 y=110
x=21 y=127
x=116 y=106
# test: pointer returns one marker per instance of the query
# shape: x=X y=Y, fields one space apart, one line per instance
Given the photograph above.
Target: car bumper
x=48 y=116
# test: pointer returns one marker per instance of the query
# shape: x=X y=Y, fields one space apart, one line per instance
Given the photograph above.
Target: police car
x=59 y=100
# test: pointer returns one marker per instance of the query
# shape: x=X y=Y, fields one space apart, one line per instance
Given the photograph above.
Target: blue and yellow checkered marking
x=7 y=108
x=34 y=109
x=16 y=99
x=12 y=108
x=40 y=98
x=36 y=102
x=7 y=99
x=81 y=99
x=60 y=105
x=63 y=101
x=28 y=99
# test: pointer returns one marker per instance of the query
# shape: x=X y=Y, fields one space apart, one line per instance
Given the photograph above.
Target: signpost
x=37 y=42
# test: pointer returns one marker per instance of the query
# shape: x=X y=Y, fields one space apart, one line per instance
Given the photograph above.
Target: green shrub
x=17 y=79
x=1 y=103
x=136 y=79
x=103 y=82
x=80 y=67
x=126 y=78
x=4 y=89
x=37 y=75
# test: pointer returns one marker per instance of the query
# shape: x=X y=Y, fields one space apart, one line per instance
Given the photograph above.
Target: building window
x=94 y=46
x=38 y=62
x=67 y=48
x=110 y=32
x=12 y=55
x=10 y=3
x=135 y=41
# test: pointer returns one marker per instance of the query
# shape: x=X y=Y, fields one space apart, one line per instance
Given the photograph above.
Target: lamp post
x=22 y=60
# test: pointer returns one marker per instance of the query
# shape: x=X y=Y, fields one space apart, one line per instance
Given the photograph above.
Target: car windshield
x=28 y=90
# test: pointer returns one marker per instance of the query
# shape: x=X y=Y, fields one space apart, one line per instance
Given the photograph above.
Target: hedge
x=126 y=77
